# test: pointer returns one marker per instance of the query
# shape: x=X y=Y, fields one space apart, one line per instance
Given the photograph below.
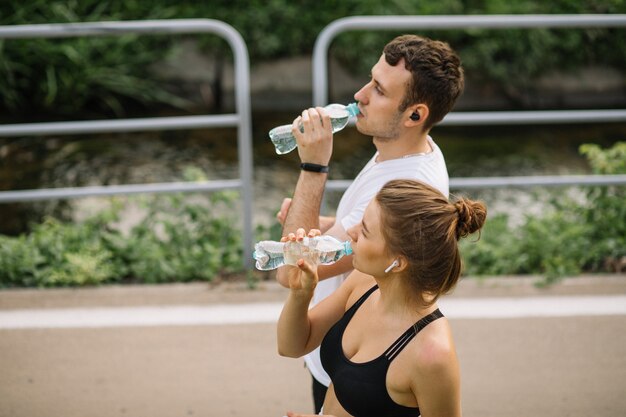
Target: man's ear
x=417 y=114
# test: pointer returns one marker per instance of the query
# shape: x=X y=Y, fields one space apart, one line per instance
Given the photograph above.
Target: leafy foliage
x=570 y=237
x=606 y=211
x=101 y=75
x=180 y=238
x=58 y=254
x=183 y=241
x=111 y=74
x=183 y=238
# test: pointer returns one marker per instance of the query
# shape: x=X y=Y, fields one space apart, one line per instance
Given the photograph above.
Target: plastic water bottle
x=317 y=250
x=285 y=142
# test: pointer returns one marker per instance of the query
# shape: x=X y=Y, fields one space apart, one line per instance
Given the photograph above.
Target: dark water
x=162 y=156
x=474 y=151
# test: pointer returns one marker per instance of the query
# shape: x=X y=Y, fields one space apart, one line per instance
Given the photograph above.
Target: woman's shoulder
x=434 y=351
x=434 y=359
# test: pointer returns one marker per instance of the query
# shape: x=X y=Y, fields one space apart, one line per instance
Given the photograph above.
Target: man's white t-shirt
x=429 y=168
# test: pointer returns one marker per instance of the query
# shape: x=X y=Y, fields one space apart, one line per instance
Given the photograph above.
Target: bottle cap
x=353 y=109
x=348 y=247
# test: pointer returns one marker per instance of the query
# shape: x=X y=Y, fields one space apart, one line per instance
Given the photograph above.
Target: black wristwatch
x=305 y=166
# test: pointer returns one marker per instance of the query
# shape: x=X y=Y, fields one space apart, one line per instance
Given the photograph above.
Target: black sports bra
x=361 y=387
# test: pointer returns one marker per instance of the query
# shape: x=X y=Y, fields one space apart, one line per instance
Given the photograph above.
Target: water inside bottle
x=319 y=250
x=302 y=250
x=283 y=140
x=268 y=254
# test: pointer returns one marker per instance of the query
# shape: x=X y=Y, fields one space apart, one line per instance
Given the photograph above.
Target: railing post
x=242 y=118
x=326 y=36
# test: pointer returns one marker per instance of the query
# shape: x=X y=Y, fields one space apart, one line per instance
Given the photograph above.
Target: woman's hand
x=306 y=279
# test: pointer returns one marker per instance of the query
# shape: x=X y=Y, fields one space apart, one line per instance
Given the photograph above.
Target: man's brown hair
x=437 y=76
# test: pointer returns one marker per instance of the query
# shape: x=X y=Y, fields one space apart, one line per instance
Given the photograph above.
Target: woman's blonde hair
x=420 y=224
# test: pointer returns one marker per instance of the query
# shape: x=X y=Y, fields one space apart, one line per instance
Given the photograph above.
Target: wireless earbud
x=415 y=116
x=393 y=265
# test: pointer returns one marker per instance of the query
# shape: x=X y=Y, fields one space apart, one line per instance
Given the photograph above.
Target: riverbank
x=279 y=89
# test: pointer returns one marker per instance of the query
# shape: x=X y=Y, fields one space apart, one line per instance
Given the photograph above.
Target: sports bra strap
x=350 y=312
x=403 y=340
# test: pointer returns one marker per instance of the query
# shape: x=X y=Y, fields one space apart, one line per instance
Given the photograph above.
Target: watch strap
x=306 y=166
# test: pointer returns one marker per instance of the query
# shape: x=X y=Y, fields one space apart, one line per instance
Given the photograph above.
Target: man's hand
x=315 y=142
x=315 y=146
x=326 y=222
x=284 y=209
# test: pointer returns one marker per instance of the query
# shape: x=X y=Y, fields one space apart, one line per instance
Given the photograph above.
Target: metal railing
x=241 y=119
x=320 y=84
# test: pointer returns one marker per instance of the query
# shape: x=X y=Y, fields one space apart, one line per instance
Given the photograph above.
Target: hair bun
x=472 y=215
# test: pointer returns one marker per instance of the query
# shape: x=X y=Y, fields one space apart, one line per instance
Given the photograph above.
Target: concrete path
x=195 y=349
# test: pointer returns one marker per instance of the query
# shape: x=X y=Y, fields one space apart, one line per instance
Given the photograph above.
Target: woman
x=384 y=342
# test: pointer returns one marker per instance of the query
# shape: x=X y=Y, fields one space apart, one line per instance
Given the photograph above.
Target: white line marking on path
x=454 y=308
x=564 y=306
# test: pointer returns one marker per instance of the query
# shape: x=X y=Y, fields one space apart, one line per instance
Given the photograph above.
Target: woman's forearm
x=294 y=327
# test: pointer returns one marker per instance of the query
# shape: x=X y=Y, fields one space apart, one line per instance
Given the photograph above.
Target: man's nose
x=360 y=95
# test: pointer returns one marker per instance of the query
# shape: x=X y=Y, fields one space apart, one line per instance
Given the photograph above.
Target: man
x=414 y=84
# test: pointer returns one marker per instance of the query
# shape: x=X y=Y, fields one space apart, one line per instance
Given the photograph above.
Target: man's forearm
x=305 y=205
x=326 y=223
x=303 y=213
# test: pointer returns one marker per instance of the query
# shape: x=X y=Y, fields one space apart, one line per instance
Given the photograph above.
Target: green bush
x=58 y=254
x=183 y=238
x=180 y=239
x=491 y=254
x=89 y=75
x=605 y=211
x=569 y=238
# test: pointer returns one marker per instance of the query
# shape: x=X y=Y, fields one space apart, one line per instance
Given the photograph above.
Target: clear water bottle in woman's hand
x=285 y=142
x=318 y=250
